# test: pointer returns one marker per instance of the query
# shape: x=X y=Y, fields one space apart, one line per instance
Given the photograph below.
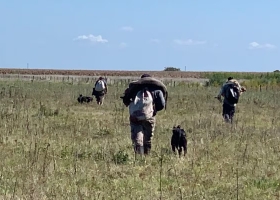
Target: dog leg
x=173 y=149
x=185 y=150
x=180 y=151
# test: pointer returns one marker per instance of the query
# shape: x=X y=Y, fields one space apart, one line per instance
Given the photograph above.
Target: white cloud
x=127 y=28
x=123 y=45
x=155 y=40
x=189 y=42
x=255 y=45
x=92 y=38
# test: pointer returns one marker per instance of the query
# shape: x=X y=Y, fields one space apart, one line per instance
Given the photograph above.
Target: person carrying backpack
x=100 y=90
x=231 y=91
x=144 y=98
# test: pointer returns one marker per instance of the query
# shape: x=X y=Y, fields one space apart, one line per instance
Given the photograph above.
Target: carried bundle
x=146 y=82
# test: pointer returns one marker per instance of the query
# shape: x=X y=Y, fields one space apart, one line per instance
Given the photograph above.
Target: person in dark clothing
x=228 y=107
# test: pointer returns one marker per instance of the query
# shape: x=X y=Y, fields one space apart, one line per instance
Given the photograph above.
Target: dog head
x=178 y=131
x=80 y=98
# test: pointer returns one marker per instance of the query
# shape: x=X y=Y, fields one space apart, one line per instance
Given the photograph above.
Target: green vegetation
x=54 y=148
x=171 y=69
x=250 y=79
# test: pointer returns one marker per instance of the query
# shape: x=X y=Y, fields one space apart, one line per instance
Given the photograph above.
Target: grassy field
x=54 y=148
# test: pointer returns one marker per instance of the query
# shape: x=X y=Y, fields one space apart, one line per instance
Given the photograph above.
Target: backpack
x=100 y=86
x=141 y=108
x=232 y=93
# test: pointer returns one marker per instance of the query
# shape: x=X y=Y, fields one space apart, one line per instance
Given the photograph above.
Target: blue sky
x=216 y=35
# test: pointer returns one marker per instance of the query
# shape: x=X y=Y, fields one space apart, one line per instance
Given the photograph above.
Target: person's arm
x=223 y=91
x=95 y=83
x=106 y=87
x=220 y=94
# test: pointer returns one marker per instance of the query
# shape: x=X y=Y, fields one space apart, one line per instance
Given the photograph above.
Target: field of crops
x=54 y=148
x=172 y=74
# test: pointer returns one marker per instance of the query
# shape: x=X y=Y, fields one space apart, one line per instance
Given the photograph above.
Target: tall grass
x=54 y=148
x=251 y=79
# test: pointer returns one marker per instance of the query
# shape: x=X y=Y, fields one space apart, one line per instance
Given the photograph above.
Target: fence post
x=260 y=88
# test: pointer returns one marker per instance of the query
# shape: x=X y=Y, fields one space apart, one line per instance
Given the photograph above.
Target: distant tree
x=171 y=69
x=276 y=70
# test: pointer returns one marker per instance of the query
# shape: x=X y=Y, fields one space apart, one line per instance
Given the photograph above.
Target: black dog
x=82 y=99
x=179 y=140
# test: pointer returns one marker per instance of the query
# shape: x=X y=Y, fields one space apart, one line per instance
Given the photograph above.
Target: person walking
x=144 y=98
x=100 y=90
x=230 y=91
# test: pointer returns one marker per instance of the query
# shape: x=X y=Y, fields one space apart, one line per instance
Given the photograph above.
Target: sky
x=202 y=35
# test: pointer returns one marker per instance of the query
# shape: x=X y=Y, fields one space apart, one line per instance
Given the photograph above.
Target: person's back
x=141 y=108
x=100 y=85
x=148 y=101
x=233 y=83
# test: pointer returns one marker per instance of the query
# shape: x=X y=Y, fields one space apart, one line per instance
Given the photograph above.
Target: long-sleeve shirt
x=158 y=100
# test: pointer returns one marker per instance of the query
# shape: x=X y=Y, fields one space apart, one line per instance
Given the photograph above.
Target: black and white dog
x=179 y=140
x=82 y=99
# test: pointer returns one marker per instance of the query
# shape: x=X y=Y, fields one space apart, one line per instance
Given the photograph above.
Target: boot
x=139 y=149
